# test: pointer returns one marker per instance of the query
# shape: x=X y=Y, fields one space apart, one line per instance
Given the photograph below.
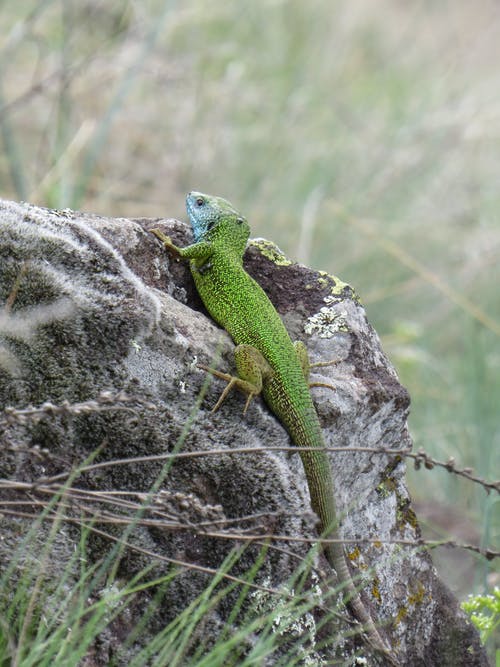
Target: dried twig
x=105 y=401
x=181 y=523
x=422 y=458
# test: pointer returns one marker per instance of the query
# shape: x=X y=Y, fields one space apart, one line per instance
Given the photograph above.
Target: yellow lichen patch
x=376 y=590
x=323 y=282
x=354 y=554
x=271 y=251
x=386 y=487
x=402 y=613
x=416 y=596
x=391 y=484
x=405 y=516
x=336 y=286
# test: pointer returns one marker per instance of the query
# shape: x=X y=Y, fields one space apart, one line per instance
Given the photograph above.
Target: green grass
x=296 y=111
x=54 y=618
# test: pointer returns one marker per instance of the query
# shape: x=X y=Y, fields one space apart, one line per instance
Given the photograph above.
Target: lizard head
x=214 y=219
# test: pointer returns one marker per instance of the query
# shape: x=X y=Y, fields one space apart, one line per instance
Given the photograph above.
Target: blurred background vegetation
x=363 y=136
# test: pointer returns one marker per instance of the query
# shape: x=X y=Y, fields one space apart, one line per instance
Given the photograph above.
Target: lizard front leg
x=167 y=242
x=199 y=253
x=251 y=367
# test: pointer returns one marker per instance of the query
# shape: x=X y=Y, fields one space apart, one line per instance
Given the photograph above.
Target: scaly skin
x=267 y=361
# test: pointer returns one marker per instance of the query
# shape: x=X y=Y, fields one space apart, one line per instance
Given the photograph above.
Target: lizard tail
x=336 y=558
x=320 y=482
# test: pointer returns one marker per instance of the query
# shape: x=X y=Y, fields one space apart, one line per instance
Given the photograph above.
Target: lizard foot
x=167 y=242
x=232 y=381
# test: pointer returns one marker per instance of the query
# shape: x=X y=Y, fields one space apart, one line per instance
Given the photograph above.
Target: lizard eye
x=200 y=201
x=240 y=221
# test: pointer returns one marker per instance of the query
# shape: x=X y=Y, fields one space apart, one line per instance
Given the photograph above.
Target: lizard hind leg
x=303 y=357
x=305 y=364
x=251 y=368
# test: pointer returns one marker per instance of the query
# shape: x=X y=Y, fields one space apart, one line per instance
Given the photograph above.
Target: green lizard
x=267 y=362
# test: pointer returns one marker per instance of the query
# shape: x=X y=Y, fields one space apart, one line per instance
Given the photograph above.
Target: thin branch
x=489 y=554
x=106 y=400
x=422 y=458
x=218 y=452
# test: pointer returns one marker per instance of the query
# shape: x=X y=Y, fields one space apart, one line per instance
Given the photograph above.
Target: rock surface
x=94 y=305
